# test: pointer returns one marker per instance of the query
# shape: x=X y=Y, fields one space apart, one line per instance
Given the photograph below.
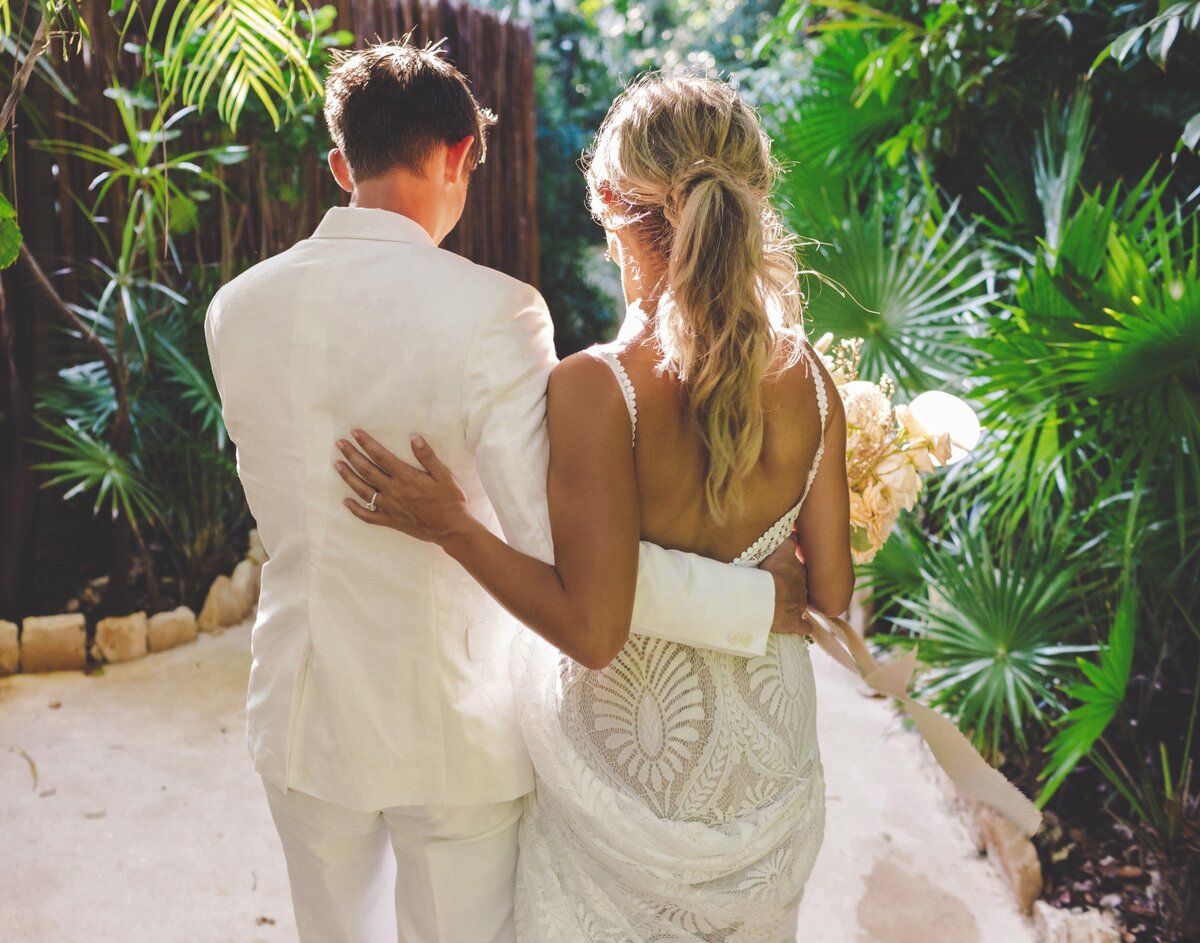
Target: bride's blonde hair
x=683 y=162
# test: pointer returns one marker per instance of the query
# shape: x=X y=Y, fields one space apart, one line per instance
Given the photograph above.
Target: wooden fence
x=498 y=229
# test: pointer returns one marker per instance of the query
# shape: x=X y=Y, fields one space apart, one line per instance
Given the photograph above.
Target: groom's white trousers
x=417 y=874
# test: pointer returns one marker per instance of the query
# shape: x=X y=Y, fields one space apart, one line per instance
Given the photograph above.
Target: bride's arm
x=583 y=604
x=823 y=526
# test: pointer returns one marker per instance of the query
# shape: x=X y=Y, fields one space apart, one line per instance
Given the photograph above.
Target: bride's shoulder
x=597 y=371
x=584 y=385
x=586 y=367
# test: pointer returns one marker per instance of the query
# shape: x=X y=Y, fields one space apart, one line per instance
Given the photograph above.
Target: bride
x=680 y=792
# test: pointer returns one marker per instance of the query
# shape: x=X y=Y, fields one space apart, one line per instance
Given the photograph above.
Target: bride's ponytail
x=691 y=172
x=712 y=326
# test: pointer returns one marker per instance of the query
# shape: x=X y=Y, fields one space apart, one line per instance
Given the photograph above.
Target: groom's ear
x=458 y=159
x=341 y=170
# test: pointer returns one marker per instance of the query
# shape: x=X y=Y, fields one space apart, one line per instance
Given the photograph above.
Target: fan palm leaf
x=89 y=465
x=914 y=290
x=1094 y=377
x=1100 y=696
x=995 y=627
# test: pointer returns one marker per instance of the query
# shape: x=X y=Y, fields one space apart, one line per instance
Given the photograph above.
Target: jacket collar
x=355 y=222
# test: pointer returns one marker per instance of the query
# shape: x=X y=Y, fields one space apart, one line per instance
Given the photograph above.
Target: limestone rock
x=169 y=629
x=255 y=551
x=10 y=649
x=223 y=606
x=54 y=643
x=1013 y=854
x=120 y=638
x=1053 y=925
x=246 y=580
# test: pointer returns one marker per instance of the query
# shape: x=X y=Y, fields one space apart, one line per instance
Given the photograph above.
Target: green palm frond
x=238 y=48
x=154 y=194
x=915 y=289
x=1058 y=159
x=1032 y=201
x=197 y=389
x=1100 y=697
x=825 y=139
x=1093 y=378
x=995 y=627
x=84 y=392
x=90 y=465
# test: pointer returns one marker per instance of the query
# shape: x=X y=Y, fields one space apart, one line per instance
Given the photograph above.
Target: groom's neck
x=406 y=194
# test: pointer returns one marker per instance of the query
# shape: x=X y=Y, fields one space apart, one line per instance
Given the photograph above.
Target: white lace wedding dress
x=680 y=793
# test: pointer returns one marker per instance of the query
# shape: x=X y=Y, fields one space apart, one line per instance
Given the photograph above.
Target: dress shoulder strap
x=618 y=369
x=810 y=359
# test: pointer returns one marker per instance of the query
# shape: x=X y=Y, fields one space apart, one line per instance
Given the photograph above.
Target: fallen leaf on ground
x=32 y=765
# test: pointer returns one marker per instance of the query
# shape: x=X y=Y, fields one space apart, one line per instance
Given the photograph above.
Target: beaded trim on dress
x=626 y=384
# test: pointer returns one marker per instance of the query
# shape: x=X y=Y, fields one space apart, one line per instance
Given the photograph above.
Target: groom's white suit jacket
x=380 y=673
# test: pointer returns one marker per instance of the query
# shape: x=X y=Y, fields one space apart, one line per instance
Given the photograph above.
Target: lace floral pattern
x=680 y=792
x=680 y=795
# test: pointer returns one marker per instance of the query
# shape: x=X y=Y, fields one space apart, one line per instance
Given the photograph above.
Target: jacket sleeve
x=680 y=596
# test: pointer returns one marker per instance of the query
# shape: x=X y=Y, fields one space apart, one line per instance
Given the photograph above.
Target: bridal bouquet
x=890 y=446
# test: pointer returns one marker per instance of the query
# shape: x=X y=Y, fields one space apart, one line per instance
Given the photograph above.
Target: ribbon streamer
x=969 y=771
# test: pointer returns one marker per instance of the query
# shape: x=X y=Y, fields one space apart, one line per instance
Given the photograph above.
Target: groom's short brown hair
x=391 y=104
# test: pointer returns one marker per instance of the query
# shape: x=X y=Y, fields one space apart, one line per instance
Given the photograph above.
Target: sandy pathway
x=129 y=813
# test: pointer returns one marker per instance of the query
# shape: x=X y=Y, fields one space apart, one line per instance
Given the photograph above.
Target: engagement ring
x=372 y=506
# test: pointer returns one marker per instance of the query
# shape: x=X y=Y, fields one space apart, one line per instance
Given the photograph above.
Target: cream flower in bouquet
x=888 y=446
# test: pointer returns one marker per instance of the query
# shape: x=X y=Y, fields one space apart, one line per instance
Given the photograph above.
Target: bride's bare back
x=670 y=464
x=671 y=460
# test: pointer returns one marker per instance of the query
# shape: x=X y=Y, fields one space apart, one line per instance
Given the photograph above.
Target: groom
x=380 y=710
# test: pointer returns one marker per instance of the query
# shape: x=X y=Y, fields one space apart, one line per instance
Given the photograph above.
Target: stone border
x=59 y=642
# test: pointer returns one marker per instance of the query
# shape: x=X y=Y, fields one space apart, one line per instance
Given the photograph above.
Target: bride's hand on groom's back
x=427 y=504
x=791 y=589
